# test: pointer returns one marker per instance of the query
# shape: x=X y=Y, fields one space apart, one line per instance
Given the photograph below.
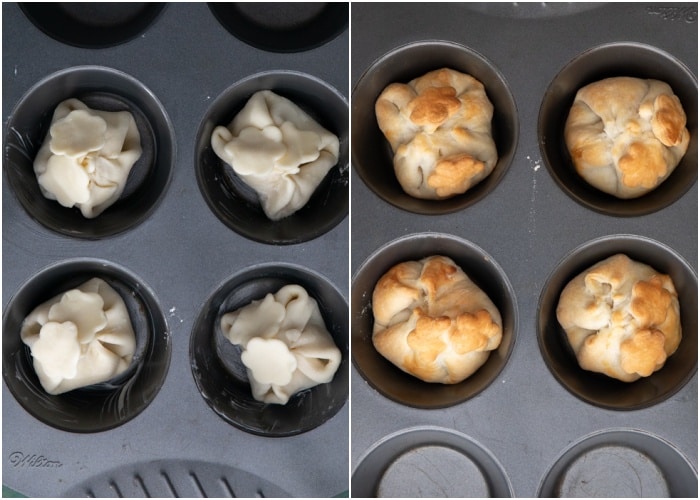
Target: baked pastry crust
x=626 y=135
x=439 y=128
x=432 y=321
x=621 y=317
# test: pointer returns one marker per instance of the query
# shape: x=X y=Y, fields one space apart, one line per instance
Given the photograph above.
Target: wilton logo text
x=19 y=459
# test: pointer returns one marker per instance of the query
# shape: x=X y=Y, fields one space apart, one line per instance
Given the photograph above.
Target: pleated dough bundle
x=86 y=157
x=286 y=346
x=621 y=317
x=626 y=135
x=432 y=321
x=278 y=150
x=439 y=128
x=80 y=337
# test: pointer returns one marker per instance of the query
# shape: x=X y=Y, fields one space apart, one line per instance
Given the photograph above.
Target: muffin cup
x=429 y=461
x=221 y=376
x=598 y=389
x=281 y=27
x=92 y=25
x=100 y=88
x=98 y=407
x=389 y=380
x=620 y=463
x=611 y=60
x=372 y=157
x=234 y=202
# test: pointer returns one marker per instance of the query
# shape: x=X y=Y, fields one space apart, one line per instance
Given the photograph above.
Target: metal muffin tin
x=165 y=249
x=539 y=428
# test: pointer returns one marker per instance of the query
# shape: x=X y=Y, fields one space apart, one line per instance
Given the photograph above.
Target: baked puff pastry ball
x=439 y=128
x=621 y=317
x=432 y=321
x=626 y=135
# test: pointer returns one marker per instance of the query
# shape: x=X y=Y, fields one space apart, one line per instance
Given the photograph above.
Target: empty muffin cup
x=598 y=389
x=102 y=406
x=92 y=25
x=620 y=463
x=613 y=60
x=104 y=89
x=429 y=462
x=372 y=157
x=389 y=380
x=221 y=376
x=283 y=27
x=234 y=202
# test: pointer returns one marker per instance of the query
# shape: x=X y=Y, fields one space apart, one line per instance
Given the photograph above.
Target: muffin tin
x=528 y=424
x=539 y=426
x=170 y=249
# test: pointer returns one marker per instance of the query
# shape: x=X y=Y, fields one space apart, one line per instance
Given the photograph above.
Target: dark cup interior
x=98 y=407
x=92 y=25
x=107 y=90
x=646 y=452
x=598 y=389
x=605 y=61
x=391 y=381
x=372 y=157
x=283 y=26
x=221 y=376
x=235 y=203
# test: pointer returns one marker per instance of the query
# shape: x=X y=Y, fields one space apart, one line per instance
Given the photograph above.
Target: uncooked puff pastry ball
x=439 y=128
x=621 y=317
x=86 y=157
x=432 y=321
x=626 y=135
x=278 y=150
x=80 y=337
x=286 y=346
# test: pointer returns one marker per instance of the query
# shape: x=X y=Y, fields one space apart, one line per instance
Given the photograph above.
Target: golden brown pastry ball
x=621 y=317
x=439 y=128
x=432 y=321
x=626 y=135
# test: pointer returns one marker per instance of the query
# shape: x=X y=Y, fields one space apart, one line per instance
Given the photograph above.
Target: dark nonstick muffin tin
x=537 y=425
x=156 y=431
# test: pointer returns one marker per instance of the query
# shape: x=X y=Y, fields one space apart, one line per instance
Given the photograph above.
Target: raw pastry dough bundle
x=439 y=128
x=80 y=337
x=278 y=150
x=432 y=321
x=621 y=317
x=286 y=346
x=86 y=157
x=626 y=135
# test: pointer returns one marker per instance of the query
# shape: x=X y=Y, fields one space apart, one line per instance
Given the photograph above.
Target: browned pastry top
x=439 y=127
x=626 y=135
x=621 y=317
x=432 y=321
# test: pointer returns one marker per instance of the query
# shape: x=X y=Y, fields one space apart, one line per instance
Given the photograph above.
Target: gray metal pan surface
x=175 y=250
